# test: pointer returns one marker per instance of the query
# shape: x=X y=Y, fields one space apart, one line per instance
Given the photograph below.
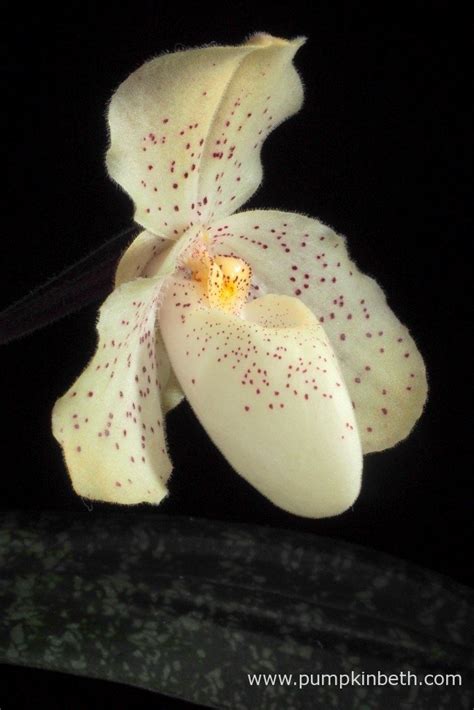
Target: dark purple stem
x=87 y=281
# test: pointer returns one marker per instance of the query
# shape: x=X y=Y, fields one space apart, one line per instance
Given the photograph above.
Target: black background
x=379 y=152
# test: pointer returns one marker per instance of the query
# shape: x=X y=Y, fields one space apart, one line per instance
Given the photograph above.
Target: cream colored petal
x=110 y=423
x=186 y=129
x=145 y=247
x=269 y=392
x=301 y=257
x=172 y=394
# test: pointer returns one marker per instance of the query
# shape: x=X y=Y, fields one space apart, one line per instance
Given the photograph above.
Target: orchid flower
x=288 y=355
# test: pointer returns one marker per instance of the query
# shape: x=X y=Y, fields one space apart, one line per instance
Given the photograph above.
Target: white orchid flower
x=290 y=358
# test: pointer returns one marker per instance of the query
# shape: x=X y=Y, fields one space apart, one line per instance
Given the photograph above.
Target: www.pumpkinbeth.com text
x=342 y=680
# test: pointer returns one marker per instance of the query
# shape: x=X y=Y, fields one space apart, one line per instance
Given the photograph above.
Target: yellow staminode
x=225 y=280
x=228 y=283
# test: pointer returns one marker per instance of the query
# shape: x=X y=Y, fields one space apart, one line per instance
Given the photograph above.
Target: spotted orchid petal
x=186 y=129
x=267 y=387
x=143 y=249
x=110 y=423
x=295 y=255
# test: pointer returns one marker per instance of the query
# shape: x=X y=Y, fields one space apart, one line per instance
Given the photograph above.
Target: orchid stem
x=85 y=282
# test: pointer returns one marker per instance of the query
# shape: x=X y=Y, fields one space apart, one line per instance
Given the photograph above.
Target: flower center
x=228 y=283
x=225 y=279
